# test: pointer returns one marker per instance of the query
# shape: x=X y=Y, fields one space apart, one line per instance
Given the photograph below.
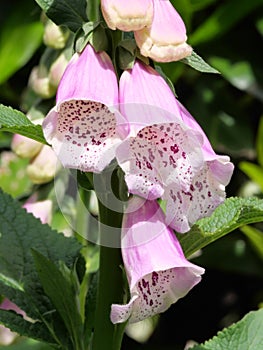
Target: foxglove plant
x=157 y=271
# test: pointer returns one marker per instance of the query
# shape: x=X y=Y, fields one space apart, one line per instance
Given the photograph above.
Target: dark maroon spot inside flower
x=154 y=278
x=174 y=149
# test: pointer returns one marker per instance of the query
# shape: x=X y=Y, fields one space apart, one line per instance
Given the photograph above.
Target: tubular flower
x=125 y=16
x=157 y=271
x=40 y=209
x=165 y=39
x=82 y=126
x=167 y=154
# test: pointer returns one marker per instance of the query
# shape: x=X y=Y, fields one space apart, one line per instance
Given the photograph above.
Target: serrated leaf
x=20 y=36
x=70 y=13
x=197 y=62
x=232 y=214
x=247 y=334
x=16 y=122
x=17 y=324
x=19 y=232
x=61 y=292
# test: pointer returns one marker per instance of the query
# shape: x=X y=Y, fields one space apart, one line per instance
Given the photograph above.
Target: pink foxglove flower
x=167 y=154
x=127 y=16
x=165 y=39
x=82 y=126
x=157 y=271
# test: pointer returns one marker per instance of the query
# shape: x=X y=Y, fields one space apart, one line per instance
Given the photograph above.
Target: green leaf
x=232 y=214
x=255 y=237
x=14 y=121
x=253 y=171
x=61 y=292
x=196 y=62
x=247 y=334
x=20 y=36
x=70 y=13
x=19 y=233
x=27 y=344
x=17 y=323
x=222 y=20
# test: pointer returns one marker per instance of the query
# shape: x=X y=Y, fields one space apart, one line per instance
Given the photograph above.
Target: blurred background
x=229 y=36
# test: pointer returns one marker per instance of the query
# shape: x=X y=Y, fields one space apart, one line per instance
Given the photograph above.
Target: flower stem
x=110 y=282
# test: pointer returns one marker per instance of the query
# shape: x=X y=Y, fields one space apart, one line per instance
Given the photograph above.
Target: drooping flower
x=167 y=154
x=165 y=39
x=157 y=271
x=127 y=16
x=82 y=127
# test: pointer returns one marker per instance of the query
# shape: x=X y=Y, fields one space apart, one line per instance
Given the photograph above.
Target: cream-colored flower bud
x=57 y=69
x=44 y=167
x=55 y=36
x=39 y=82
x=25 y=147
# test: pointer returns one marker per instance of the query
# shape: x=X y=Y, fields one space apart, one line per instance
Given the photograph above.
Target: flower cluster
x=159 y=30
x=161 y=149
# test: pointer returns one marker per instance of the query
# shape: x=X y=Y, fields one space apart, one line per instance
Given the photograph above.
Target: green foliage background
x=229 y=36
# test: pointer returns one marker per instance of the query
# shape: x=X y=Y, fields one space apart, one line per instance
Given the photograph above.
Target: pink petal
x=82 y=126
x=41 y=210
x=146 y=99
x=157 y=271
x=165 y=40
x=127 y=16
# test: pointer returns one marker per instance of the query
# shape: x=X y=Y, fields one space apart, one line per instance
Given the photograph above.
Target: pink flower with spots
x=167 y=155
x=82 y=127
x=157 y=271
x=165 y=39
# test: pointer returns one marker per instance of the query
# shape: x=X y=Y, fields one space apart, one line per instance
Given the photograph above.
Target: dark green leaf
x=70 y=13
x=259 y=142
x=19 y=232
x=233 y=213
x=243 y=335
x=62 y=293
x=14 y=121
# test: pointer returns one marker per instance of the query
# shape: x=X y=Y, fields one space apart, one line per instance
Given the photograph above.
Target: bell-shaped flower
x=167 y=154
x=157 y=271
x=82 y=127
x=127 y=16
x=165 y=39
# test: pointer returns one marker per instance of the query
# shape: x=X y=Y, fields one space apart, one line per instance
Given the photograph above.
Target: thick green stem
x=110 y=286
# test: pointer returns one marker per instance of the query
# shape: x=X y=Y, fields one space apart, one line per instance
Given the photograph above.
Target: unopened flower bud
x=25 y=147
x=55 y=36
x=57 y=69
x=134 y=15
x=43 y=168
x=39 y=83
x=165 y=39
